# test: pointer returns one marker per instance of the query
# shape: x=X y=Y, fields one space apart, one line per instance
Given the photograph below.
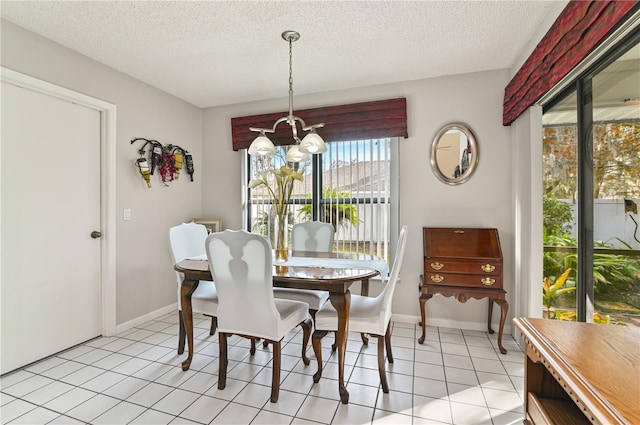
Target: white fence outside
x=611 y=222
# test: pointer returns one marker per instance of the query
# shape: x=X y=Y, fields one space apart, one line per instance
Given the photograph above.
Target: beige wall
x=484 y=201
x=145 y=280
x=144 y=275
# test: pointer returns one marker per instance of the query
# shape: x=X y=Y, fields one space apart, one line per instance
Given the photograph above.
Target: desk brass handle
x=488 y=268
x=487 y=281
x=437 y=266
x=437 y=278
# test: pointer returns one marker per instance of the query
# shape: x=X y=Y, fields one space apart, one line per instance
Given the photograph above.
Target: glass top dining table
x=331 y=272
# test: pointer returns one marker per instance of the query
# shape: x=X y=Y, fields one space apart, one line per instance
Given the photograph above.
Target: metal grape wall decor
x=168 y=159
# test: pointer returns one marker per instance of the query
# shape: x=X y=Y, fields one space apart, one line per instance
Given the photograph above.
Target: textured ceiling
x=213 y=53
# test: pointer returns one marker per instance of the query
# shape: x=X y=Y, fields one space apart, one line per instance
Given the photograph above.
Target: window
x=353 y=185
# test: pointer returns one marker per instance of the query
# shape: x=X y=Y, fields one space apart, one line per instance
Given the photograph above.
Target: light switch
x=126 y=214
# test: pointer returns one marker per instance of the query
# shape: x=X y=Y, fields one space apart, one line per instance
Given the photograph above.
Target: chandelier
x=312 y=143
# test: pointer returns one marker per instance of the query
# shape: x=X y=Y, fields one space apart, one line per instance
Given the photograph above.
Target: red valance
x=356 y=121
x=580 y=27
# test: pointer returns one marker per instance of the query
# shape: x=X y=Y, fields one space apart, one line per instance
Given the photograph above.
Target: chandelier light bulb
x=294 y=155
x=262 y=146
x=313 y=144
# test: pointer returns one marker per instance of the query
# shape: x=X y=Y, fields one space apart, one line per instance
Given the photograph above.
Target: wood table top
x=322 y=278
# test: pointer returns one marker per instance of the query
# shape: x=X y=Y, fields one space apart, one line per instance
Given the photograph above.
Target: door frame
x=107 y=182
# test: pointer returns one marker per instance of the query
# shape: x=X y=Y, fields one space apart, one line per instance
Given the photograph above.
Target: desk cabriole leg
x=342 y=303
x=187 y=289
x=489 y=329
x=424 y=297
x=504 y=309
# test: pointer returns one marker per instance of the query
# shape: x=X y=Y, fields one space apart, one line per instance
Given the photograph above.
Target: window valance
x=580 y=27
x=366 y=120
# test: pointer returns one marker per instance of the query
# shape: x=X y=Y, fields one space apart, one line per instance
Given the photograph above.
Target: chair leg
x=182 y=334
x=363 y=336
x=381 y=371
x=306 y=334
x=214 y=325
x=305 y=337
x=275 y=378
x=316 y=341
x=223 y=361
x=252 y=350
x=387 y=343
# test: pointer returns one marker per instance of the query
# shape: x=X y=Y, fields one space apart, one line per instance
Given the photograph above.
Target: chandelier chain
x=290 y=77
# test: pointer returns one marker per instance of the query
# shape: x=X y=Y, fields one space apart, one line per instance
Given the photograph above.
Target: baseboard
x=448 y=323
x=405 y=318
x=149 y=316
x=402 y=318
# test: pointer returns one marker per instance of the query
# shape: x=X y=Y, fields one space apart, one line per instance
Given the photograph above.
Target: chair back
x=186 y=241
x=241 y=266
x=386 y=296
x=315 y=236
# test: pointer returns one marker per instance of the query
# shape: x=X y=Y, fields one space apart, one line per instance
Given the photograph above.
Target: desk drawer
x=462 y=279
x=462 y=266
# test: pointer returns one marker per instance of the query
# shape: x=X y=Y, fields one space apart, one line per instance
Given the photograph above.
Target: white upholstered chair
x=315 y=236
x=187 y=240
x=241 y=266
x=366 y=315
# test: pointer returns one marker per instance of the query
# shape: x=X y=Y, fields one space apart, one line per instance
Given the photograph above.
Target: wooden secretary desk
x=463 y=263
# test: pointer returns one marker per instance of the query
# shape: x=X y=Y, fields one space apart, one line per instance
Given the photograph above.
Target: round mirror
x=454 y=153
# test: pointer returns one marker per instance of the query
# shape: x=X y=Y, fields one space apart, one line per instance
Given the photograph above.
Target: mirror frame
x=474 y=148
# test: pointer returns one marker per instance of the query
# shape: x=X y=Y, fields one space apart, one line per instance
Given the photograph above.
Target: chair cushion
x=314 y=298
x=292 y=313
x=204 y=299
x=365 y=315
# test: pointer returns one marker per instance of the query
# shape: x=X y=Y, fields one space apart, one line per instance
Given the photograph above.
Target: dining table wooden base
x=186 y=291
x=342 y=304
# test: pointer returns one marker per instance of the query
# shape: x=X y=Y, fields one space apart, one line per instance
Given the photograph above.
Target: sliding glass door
x=591 y=160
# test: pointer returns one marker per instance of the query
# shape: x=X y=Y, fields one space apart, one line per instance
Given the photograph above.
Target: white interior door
x=51 y=277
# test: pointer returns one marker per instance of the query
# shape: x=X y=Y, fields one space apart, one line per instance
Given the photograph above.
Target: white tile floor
x=456 y=377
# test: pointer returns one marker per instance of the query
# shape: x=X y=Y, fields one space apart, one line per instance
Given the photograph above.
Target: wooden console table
x=579 y=373
x=463 y=263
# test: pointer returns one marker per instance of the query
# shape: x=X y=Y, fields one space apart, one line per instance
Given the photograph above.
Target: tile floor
x=456 y=377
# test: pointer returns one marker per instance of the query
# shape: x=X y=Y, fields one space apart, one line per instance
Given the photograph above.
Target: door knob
x=95 y=234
